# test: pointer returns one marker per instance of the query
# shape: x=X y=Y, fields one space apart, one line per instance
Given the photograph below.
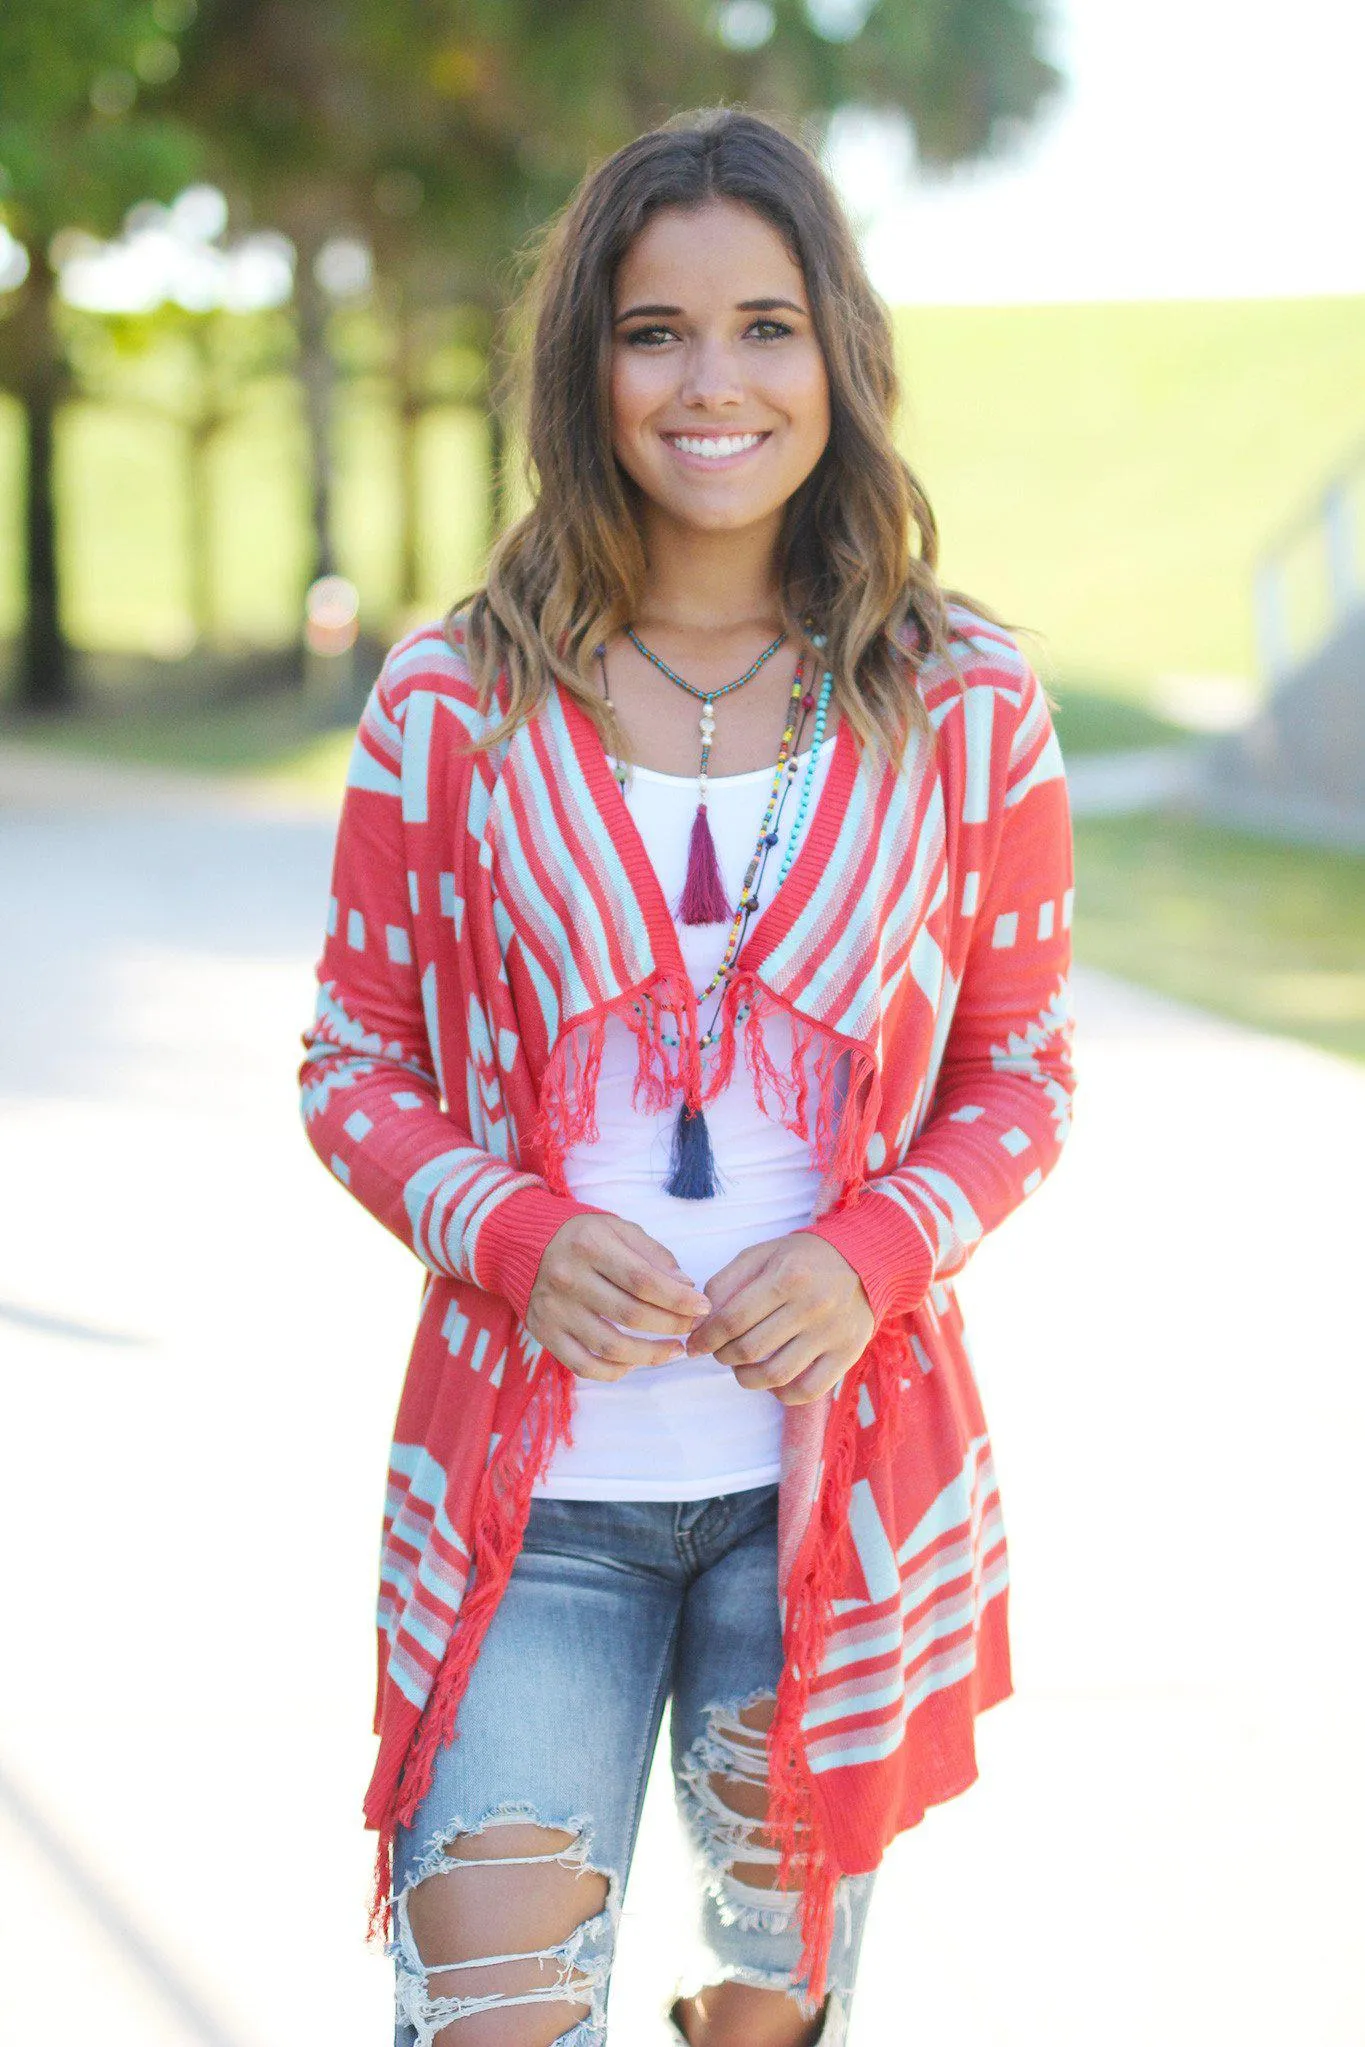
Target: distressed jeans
x=615 y=1608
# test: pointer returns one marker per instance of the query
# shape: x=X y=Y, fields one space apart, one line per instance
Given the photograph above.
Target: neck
x=710 y=582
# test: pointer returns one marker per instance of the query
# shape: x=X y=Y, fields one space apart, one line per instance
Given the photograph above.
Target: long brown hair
x=570 y=572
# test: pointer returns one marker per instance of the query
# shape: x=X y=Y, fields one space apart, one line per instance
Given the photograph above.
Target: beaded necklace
x=692 y=1169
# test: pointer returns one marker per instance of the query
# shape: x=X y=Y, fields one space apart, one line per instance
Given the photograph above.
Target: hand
x=598 y=1270
x=790 y=1317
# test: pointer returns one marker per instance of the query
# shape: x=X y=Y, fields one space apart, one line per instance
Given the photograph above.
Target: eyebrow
x=745 y=306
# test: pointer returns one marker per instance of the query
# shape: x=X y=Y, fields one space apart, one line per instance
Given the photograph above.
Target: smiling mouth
x=714 y=448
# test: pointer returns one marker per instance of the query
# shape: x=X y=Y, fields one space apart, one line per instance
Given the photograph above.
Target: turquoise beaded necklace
x=817 y=741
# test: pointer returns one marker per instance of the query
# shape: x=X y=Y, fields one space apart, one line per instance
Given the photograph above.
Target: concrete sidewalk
x=202 y=1338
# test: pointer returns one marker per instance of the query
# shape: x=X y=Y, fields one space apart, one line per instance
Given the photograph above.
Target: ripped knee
x=724 y=1793
x=489 y=1938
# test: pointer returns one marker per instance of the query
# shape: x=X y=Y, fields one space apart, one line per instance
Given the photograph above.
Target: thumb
x=737 y=1273
x=658 y=1255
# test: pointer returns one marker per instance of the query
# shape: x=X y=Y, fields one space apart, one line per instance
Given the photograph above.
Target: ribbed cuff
x=513 y=1238
x=889 y=1252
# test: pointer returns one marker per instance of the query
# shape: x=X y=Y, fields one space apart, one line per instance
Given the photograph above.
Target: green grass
x=1269 y=934
x=1107 y=474
x=1098 y=721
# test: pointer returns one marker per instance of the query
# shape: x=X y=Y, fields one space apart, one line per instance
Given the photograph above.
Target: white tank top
x=689 y=1430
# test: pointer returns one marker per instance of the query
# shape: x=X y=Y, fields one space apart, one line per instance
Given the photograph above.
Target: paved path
x=201 y=1337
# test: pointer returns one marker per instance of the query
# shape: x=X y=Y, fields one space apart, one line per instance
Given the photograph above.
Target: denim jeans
x=613 y=1609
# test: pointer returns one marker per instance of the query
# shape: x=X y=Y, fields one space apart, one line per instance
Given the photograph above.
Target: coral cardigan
x=489 y=909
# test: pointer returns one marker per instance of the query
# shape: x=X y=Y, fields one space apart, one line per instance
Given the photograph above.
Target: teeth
x=714 y=445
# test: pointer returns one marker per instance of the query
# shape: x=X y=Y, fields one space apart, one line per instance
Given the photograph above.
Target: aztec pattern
x=490 y=908
x=916 y=1631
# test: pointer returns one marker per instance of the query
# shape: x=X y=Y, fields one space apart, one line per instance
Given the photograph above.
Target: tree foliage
x=86 y=123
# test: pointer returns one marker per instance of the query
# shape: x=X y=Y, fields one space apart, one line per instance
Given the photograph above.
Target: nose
x=710 y=373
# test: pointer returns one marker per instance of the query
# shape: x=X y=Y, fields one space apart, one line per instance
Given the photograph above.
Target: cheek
x=805 y=395
x=633 y=392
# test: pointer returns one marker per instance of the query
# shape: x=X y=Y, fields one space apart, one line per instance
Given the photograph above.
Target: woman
x=694 y=999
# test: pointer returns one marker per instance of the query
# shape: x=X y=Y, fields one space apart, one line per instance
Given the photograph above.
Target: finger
x=648 y=1272
x=604 y=1298
x=617 y=1347
x=766 y=1371
x=760 y=1294
x=755 y=1345
x=724 y=1284
x=581 y=1361
x=819 y=1378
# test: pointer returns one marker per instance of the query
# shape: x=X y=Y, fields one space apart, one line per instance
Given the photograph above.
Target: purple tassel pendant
x=692 y=1170
x=703 y=897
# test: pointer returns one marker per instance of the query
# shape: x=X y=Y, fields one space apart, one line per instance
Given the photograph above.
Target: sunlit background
x=255 y=264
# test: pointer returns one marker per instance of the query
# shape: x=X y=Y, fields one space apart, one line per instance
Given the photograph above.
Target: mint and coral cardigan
x=490 y=908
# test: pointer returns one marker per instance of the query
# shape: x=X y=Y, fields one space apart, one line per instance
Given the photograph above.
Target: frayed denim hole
x=832 y=2034
x=435 y=1857
x=721 y=1836
x=576 y=1982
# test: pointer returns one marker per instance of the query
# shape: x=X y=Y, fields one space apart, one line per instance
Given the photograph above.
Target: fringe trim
x=840 y=1135
x=806 y=1861
x=501 y=1507
x=567 y=1111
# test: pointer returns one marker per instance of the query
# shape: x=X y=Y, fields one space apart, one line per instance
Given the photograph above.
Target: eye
x=779 y=327
x=639 y=336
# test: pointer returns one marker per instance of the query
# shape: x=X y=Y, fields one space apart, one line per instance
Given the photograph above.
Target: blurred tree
x=196 y=369
x=84 y=134
x=438 y=134
x=442 y=132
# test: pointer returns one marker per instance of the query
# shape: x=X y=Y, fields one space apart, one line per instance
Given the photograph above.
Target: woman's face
x=719 y=396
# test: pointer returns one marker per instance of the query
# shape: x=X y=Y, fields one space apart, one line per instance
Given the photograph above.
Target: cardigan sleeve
x=1001 y=1108
x=371 y=1101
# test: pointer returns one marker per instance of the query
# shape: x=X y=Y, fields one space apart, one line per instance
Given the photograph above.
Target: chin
x=721 y=516
x=737 y=520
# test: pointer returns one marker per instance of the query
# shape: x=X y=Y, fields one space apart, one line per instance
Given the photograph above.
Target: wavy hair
x=569 y=573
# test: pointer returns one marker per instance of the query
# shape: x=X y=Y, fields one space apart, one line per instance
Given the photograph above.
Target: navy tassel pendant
x=692 y=1173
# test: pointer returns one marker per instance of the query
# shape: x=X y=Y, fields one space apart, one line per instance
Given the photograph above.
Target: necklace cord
x=800 y=703
x=692 y=1171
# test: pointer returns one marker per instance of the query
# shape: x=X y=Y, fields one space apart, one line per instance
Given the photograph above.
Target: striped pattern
x=424 y=1565
x=889 y=850
x=487 y=910
x=918 y=1628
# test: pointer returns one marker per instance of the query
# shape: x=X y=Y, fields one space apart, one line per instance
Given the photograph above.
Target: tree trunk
x=202 y=431
x=317 y=379
x=199 y=530
x=46 y=681
x=408 y=401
